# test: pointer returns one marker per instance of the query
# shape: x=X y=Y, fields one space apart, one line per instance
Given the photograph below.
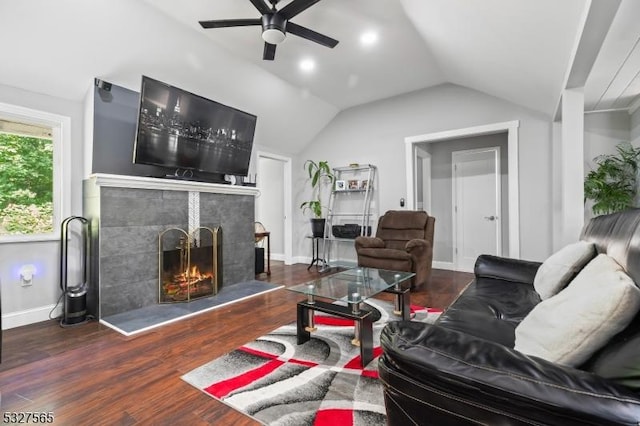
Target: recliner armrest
x=416 y=244
x=369 y=242
x=504 y=268
x=435 y=357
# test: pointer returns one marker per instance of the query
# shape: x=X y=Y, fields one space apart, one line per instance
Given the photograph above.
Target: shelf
x=358 y=181
x=338 y=191
x=355 y=168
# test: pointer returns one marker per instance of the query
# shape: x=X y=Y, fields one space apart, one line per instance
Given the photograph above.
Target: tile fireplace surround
x=127 y=213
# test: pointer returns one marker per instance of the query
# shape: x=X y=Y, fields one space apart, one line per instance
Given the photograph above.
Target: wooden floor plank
x=91 y=375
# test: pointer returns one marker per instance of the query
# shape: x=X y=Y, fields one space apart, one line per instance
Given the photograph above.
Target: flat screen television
x=188 y=133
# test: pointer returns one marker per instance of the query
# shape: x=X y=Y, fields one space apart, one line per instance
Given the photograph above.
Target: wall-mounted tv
x=182 y=131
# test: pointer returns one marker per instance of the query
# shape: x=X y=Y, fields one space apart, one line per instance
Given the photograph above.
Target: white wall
x=374 y=133
x=602 y=132
x=22 y=305
x=635 y=127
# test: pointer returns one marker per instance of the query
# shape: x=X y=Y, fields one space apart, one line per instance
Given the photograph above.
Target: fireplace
x=189 y=264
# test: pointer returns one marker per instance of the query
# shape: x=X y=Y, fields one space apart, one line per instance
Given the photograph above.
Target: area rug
x=321 y=382
x=149 y=317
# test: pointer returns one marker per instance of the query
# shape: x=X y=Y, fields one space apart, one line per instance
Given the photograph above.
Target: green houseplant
x=320 y=175
x=613 y=184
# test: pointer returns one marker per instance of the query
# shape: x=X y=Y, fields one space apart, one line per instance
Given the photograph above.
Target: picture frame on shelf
x=340 y=185
x=364 y=184
x=354 y=184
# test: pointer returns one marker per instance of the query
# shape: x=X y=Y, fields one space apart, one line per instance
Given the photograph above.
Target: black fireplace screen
x=190 y=266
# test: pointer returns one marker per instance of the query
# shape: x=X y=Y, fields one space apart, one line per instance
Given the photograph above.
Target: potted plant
x=613 y=184
x=320 y=174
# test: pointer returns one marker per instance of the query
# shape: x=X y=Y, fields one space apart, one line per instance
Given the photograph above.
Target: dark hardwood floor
x=92 y=375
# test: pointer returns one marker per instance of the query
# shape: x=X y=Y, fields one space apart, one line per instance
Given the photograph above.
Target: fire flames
x=188 y=284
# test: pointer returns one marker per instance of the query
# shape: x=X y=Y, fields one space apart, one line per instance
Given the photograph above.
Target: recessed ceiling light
x=307 y=65
x=369 y=38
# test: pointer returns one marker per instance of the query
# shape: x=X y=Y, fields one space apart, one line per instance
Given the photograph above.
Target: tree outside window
x=26 y=184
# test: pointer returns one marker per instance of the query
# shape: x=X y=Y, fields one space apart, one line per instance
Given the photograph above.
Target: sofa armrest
x=369 y=242
x=504 y=268
x=503 y=378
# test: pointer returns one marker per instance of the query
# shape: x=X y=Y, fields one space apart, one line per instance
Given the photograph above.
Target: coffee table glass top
x=353 y=285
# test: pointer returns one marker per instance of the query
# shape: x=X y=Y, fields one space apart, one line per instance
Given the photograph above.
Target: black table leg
x=303 y=333
x=366 y=340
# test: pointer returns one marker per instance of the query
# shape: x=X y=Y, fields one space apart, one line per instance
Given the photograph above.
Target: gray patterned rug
x=321 y=382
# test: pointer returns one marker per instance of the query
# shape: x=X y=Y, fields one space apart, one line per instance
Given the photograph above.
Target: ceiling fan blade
x=269 y=52
x=304 y=32
x=295 y=7
x=261 y=6
x=224 y=23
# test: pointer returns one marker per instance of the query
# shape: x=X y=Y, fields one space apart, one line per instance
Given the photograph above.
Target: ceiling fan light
x=273 y=36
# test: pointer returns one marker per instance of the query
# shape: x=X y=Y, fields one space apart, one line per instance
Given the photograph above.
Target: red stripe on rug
x=332 y=417
x=417 y=308
x=225 y=387
x=355 y=362
x=273 y=356
x=337 y=322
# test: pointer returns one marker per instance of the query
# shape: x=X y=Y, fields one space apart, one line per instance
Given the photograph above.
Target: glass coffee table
x=353 y=287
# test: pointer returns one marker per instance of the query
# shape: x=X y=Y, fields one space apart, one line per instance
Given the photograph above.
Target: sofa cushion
x=559 y=269
x=490 y=309
x=570 y=326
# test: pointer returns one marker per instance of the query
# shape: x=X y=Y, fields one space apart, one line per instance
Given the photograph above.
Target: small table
x=352 y=286
x=315 y=253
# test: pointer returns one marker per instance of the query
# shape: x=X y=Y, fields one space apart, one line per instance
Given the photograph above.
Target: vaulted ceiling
x=518 y=50
x=523 y=51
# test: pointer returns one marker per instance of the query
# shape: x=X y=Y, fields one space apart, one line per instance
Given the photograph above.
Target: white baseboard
x=448 y=266
x=277 y=256
x=29 y=316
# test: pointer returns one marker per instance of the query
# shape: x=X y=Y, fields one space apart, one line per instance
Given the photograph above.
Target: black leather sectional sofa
x=464 y=369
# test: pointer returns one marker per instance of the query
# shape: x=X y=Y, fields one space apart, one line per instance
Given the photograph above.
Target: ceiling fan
x=275 y=25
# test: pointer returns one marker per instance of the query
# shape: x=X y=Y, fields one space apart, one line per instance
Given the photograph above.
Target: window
x=31 y=152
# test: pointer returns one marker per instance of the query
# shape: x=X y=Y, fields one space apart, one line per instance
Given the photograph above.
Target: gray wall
x=441 y=200
x=375 y=133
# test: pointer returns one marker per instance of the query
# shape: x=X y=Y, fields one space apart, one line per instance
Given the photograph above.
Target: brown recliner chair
x=403 y=242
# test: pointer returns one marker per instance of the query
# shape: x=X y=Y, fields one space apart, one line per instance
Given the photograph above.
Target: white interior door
x=477 y=198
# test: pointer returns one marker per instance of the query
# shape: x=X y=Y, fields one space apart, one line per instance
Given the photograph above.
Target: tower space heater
x=74 y=309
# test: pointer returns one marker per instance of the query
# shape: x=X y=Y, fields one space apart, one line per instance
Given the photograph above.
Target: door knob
x=492 y=218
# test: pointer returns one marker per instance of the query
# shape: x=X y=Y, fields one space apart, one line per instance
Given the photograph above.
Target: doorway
x=423 y=180
x=510 y=225
x=273 y=205
x=476 y=206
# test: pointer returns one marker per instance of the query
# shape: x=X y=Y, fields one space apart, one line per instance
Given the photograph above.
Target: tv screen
x=183 y=131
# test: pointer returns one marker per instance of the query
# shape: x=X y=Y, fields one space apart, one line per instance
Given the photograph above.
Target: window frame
x=61 y=140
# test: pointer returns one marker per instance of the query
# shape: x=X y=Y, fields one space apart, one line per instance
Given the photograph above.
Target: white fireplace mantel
x=139 y=182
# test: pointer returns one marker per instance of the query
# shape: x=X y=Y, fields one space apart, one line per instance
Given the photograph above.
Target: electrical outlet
x=26 y=275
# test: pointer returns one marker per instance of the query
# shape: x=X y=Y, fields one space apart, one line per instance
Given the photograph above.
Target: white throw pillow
x=570 y=326
x=557 y=271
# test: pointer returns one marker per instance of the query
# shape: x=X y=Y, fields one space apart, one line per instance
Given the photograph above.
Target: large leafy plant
x=613 y=184
x=319 y=174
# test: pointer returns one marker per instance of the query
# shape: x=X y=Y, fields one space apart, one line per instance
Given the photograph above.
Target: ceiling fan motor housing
x=273 y=28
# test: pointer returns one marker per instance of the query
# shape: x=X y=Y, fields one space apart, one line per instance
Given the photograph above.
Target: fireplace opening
x=190 y=264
